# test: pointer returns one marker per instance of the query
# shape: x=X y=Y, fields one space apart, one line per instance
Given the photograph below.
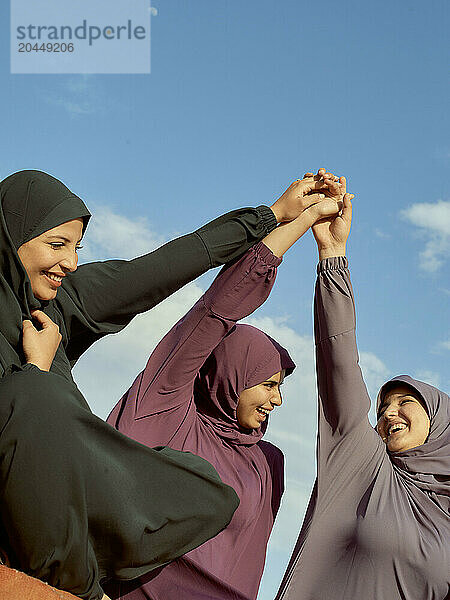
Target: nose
x=276 y=398
x=70 y=261
x=390 y=412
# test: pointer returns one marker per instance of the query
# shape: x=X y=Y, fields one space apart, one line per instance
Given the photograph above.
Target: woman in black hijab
x=80 y=502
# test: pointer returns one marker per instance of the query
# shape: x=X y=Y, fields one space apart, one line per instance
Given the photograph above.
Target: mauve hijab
x=244 y=358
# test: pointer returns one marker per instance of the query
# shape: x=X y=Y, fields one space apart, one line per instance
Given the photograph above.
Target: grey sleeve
x=344 y=402
x=342 y=390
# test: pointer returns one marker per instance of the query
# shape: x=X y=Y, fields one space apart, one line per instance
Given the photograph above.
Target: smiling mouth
x=262 y=411
x=396 y=428
x=55 y=279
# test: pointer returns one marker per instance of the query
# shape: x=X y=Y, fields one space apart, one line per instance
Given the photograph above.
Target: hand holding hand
x=281 y=239
x=331 y=233
x=40 y=345
x=300 y=195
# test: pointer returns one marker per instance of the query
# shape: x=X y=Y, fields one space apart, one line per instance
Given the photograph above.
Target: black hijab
x=31 y=202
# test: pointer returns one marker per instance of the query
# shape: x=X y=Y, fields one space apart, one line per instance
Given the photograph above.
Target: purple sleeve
x=343 y=399
x=168 y=379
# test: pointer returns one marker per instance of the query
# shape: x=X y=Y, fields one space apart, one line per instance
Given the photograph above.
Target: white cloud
x=434 y=221
x=110 y=235
x=441 y=347
x=78 y=96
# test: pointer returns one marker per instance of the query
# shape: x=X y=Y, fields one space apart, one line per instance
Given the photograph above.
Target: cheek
x=35 y=262
x=425 y=426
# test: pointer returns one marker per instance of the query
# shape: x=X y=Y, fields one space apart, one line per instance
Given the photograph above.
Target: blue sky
x=243 y=98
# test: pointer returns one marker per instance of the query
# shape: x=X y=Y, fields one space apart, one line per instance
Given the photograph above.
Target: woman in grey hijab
x=377 y=525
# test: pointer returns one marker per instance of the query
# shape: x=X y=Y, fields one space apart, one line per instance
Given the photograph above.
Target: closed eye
x=59 y=245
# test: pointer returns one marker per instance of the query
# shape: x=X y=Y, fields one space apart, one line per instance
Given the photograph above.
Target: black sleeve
x=102 y=297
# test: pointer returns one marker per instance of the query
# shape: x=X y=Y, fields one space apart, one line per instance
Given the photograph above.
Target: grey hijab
x=428 y=465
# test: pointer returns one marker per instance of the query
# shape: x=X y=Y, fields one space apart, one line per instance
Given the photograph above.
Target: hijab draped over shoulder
x=32 y=202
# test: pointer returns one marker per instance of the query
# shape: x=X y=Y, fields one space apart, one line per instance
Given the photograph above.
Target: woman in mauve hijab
x=377 y=525
x=209 y=387
x=80 y=502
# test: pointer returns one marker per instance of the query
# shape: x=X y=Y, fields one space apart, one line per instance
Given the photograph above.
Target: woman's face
x=257 y=402
x=403 y=422
x=50 y=256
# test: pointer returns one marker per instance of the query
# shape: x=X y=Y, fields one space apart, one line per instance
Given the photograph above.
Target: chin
x=400 y=448
x=45 y=297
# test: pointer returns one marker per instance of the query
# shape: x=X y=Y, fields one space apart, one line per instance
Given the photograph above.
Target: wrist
x=40 y=363
x=279 y=216
x=330 y=251
x=40 y=366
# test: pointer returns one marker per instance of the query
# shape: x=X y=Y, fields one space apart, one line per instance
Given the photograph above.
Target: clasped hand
x=324 y=196
x=40 y=344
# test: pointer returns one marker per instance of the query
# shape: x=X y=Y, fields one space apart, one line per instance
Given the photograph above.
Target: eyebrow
x=402 y=396
x=61 y=237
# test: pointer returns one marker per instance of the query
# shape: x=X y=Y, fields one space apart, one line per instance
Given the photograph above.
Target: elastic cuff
x=268 y=218
x=18 y=368
x=266 y=254
x=332 y=264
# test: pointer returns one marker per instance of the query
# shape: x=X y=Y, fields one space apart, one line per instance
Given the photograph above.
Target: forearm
x=285 y=235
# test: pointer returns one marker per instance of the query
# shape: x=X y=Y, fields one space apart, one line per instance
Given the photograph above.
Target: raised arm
x=102 y=297
x=237 y=291
x=342 y=392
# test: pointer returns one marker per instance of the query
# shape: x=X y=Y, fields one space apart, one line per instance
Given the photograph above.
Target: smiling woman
x=48 y=257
